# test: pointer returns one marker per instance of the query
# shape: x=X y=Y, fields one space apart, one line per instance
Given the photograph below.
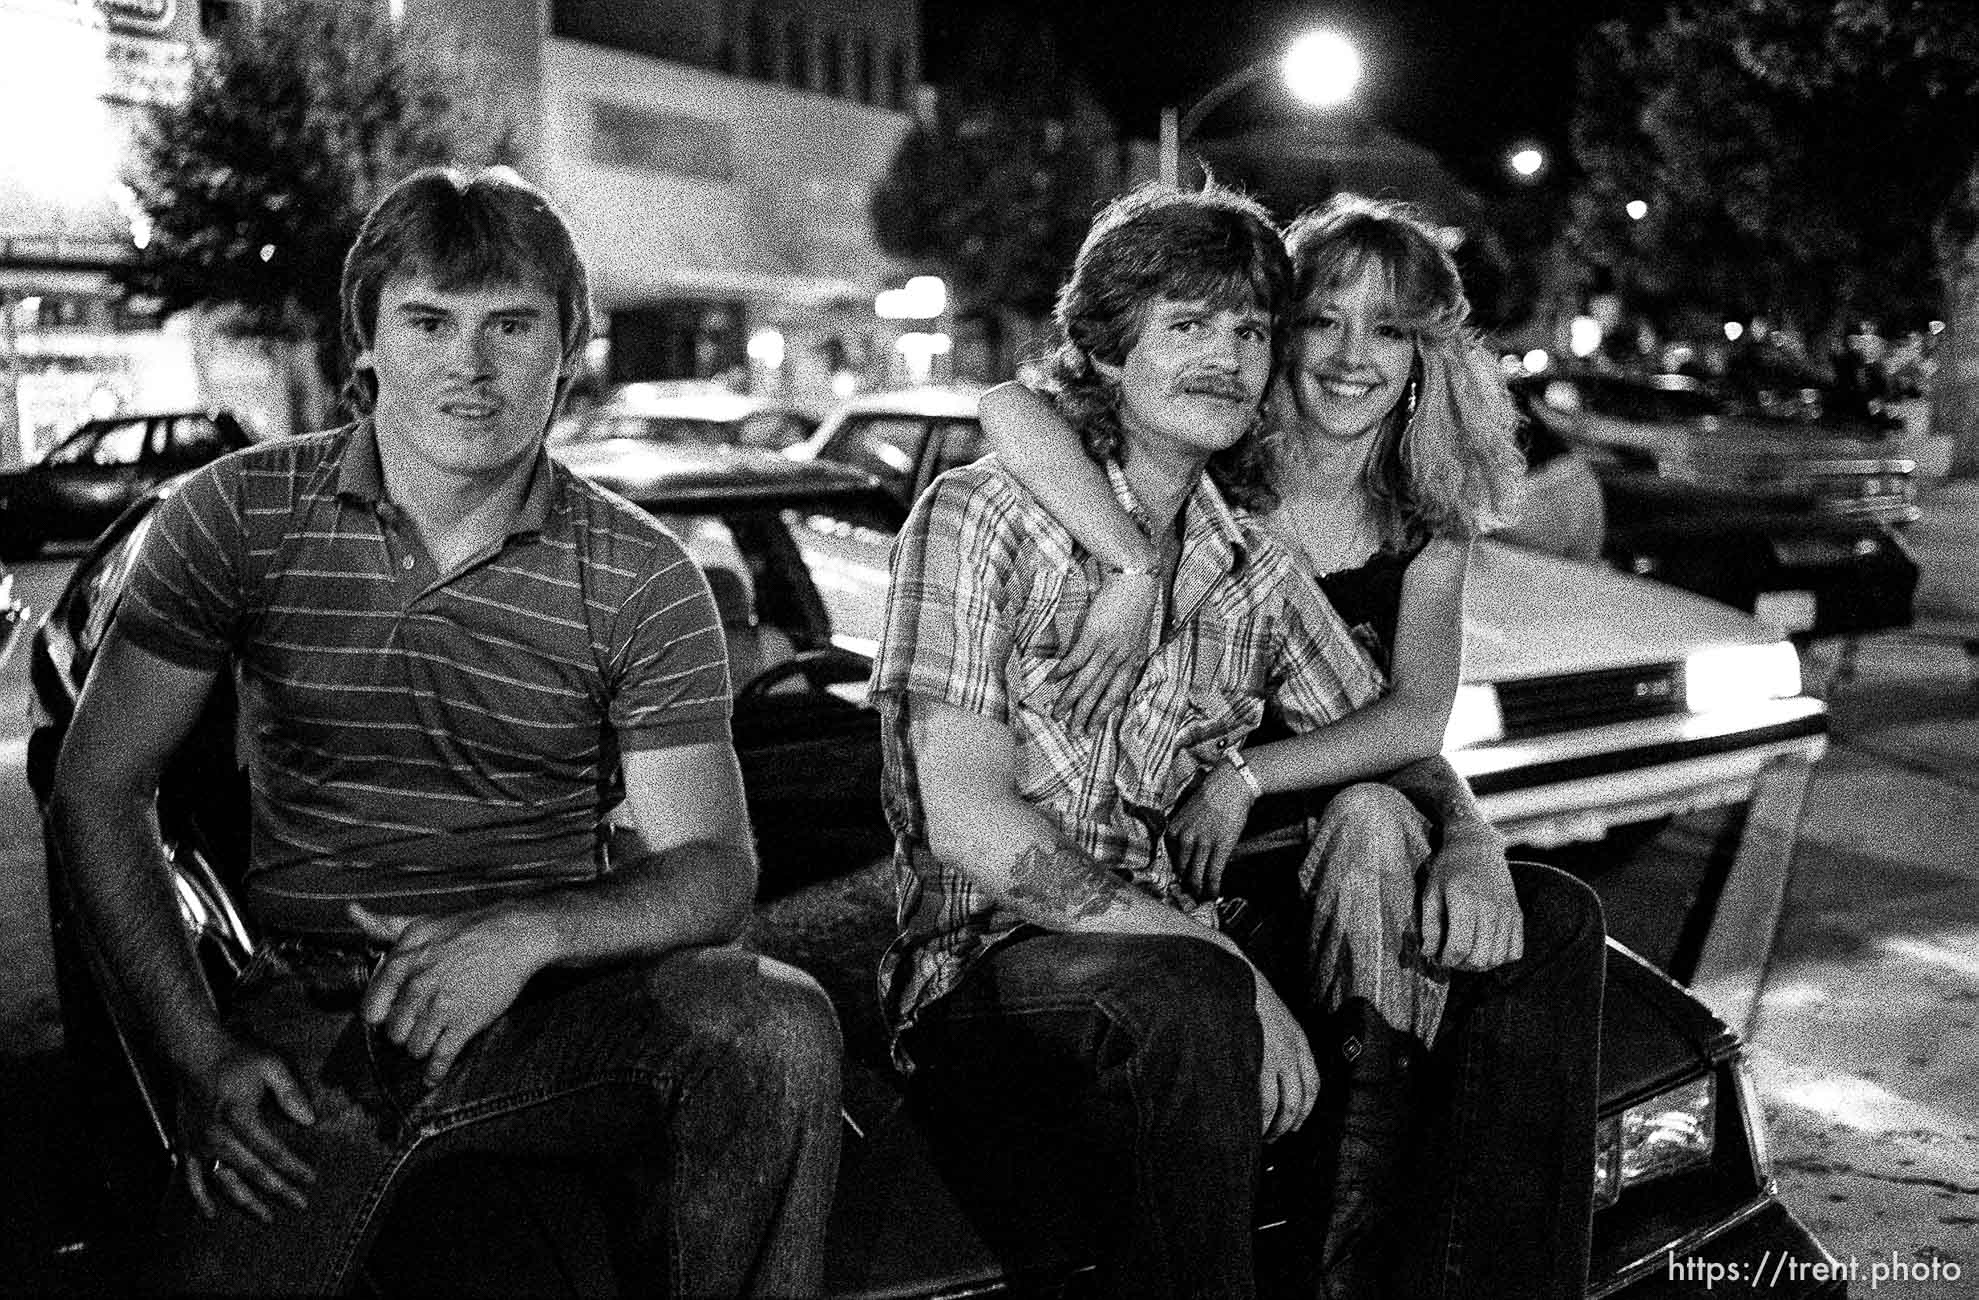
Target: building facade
x=714 y=157
x=75 y=78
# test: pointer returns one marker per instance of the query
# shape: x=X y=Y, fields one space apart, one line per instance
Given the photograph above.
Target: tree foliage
x=294 y=122
x=1807 y=161
x=996 y=183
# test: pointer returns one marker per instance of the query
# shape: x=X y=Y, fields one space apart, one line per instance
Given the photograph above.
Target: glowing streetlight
x=1636 y=209
x=1527 y=162
x=1321 y=68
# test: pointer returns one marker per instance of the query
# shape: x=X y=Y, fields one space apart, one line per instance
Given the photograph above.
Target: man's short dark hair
x=463 y=231
x=1213 y=245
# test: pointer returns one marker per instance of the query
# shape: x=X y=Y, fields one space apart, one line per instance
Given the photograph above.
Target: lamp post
x=1321 y=68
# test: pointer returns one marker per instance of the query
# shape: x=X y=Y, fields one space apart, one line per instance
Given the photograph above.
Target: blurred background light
x=1322 y=68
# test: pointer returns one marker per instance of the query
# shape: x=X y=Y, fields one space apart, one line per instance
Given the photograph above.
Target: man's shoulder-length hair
x=1211 y=245
x=462 y=230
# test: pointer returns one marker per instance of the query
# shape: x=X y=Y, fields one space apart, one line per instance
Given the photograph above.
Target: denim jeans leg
x=353 y=1149
x=1508 y=1171
x=1150 y=1046
x=708 y=1078
x=1359 y=880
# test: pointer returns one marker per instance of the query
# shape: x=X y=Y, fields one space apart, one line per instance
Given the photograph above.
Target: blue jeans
x=708 y=1076
x=1149 y=1049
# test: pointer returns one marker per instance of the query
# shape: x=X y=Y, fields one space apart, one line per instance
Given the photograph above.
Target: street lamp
x=1321 y=68
x=1527 y=162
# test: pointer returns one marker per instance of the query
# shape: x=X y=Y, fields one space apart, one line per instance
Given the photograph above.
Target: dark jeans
x=1150 y=1048
x=709 y=1077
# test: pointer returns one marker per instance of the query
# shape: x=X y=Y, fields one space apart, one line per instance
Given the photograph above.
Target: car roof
x=676 y=400
x=690 y=477
x=954 y=401
x=209 y=413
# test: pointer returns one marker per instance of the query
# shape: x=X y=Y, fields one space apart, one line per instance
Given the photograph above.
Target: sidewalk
x=1866 y=1040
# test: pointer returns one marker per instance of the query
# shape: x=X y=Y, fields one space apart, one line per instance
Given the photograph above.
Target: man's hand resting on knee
x=447 y=978
x=231 y=1134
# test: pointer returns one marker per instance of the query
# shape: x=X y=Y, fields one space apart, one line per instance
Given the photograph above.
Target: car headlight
x=1726 y=676
x=1671 y=1132
x=1474 y=718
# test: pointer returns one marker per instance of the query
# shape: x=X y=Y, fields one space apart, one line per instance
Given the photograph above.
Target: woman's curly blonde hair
x=1446 y=461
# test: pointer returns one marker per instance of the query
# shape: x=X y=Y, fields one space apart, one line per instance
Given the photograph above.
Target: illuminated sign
x=139 y=15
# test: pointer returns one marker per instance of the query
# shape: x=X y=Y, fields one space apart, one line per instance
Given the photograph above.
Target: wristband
x=1235 y=758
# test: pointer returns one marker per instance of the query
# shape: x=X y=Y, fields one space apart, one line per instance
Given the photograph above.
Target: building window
x=622 y=136
x=796 y=56
x=832 y=51
x=215 y=14
x=896 y=68
x=762 y=48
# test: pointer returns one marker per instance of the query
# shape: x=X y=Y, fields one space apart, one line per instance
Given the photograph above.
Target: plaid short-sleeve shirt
x=987 y=593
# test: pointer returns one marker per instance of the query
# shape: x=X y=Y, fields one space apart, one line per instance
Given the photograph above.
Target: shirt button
x=406 y=563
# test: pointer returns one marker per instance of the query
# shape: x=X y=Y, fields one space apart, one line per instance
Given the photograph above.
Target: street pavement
x=1864 y=1042
x=1867 y=1004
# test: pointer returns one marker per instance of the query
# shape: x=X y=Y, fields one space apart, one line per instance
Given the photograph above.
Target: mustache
x=1212 y=386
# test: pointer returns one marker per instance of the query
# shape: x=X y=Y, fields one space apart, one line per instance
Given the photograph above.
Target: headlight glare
x=1671 y=1132
x=1728 y=676
x=1474 y=718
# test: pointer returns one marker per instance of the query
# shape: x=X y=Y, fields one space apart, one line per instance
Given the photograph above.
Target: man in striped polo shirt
x=499 y=843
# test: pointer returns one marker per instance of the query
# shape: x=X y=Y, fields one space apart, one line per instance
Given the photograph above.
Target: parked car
x=1684 y=1185
x=694 y=412
x=1795 y=522
x=1590 y=699
x=88 y=478
x=13 y=617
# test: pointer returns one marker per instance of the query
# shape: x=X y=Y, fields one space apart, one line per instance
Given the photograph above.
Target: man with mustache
x=499 y=842
x=1055 y=973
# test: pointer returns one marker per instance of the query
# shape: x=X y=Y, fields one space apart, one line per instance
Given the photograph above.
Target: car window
x=121 y=443
x=193 y=438
x=885 y=446
x=755 y=552
x=961 y=444
x=673 y=429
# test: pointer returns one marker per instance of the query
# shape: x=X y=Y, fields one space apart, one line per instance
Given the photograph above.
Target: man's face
x=1195 y=375
x=467 y=378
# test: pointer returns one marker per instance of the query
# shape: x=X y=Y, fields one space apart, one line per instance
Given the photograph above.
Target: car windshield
x=121 y=443
x=662 y=428
x=885 y=446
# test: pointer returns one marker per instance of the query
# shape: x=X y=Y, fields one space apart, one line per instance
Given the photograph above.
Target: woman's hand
x=1109 y=651
x=1206 y=827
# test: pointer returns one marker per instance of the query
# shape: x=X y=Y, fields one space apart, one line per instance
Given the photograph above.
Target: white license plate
x=1789 y=611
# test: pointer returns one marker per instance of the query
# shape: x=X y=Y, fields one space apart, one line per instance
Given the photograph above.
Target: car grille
x=1547 y=704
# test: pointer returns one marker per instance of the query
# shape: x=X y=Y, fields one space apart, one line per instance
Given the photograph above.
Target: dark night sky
x=1465 y=77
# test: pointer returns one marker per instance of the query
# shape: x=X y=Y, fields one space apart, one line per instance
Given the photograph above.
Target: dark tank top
x=1368 y=599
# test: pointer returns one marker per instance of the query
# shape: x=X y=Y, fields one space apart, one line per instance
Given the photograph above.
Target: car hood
x=1533 y=615
x=1653 y=1034
x=656 y=474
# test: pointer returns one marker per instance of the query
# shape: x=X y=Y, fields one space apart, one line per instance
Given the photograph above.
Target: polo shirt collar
x=361 y=477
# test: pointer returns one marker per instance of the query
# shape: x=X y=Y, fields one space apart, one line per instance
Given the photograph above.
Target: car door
x=182 y=443
x=93 y=476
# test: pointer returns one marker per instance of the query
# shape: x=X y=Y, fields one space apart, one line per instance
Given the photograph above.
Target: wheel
x=820 y=669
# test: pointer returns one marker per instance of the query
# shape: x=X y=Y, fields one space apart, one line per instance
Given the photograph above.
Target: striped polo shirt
x=419 y=740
